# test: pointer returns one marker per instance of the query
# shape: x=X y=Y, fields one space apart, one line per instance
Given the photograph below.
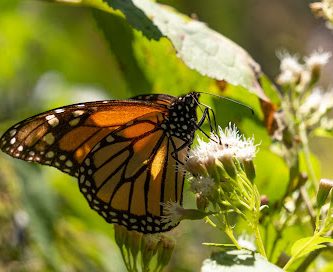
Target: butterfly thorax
x=182 y=119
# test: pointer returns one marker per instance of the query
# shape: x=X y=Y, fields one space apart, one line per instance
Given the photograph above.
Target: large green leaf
x=201 y=48
x=238 y=261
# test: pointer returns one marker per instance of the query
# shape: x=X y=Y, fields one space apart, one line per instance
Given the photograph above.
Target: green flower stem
x=317 y=221
x=328 y=224
x=210 y=222
x=228 y=231
x=259 y=241
x=307 y=157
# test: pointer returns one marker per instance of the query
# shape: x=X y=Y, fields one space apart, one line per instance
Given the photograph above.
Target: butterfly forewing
x=63 y=137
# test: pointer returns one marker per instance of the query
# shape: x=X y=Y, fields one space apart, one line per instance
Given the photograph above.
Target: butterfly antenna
x=229 y=99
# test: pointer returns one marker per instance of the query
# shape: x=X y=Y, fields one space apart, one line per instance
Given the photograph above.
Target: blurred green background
x=53 y=55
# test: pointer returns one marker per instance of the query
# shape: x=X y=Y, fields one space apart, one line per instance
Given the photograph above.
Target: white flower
x=290 y=63
x=228 y=143
x=235 y=144
x=317 y=60
x=173 y=213
x=290 y=68
x=326 y=123
x=287 y=77
x=312 y=102
x=317 y=104
x=202 y=185
x=248 y=151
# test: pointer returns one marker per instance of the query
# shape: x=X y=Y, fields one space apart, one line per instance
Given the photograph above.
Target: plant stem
x=260 y=244
x=307 y=154
x=231 y=236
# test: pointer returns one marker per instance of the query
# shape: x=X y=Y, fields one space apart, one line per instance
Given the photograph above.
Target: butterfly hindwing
x=127 y=176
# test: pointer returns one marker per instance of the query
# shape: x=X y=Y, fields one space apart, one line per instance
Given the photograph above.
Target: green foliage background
x=53 y=55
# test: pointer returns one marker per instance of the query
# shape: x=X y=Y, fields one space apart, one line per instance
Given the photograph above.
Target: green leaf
x=136 y=17
x=200 y=47
x=306 y=245
x=120 y=38
x=238 y=261
x=223 y=246
x=270 y=89
x=272 y=174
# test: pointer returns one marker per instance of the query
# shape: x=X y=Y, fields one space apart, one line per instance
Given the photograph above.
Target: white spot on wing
x=49 y=117
x=50 y=154
x=12 y=141
x=53 y=122
x=59 y=110
x=49 y=138
x=109 y=139
x=78 y=113
x=69 y=163
x=74 y=122
x=12 y=132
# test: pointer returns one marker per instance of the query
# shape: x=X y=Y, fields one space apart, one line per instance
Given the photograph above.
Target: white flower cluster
x=228 y=143
x=324 y=9
x=293 y=73
x=221 y=150
x=311 y=104
x=316 y=106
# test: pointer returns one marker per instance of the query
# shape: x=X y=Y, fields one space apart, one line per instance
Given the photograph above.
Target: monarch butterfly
x=125 y=153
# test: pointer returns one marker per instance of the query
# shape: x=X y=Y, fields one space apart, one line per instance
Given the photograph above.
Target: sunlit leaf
x=136 y=17
x=306 y=245
x=200 y=47
x=204 y=49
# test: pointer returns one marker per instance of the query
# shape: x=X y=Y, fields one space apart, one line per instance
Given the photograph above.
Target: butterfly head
x=182 y=118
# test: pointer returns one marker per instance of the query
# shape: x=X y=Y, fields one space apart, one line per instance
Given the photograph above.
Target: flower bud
x=264 y=201
x=201 y=201
x=134 y=243
x=166 y=246
x=325 y=186
x=315 y=63
x=249 y=169
x=229 y=165
x=120 y=235
x=195 y=166
x=213 y=169
x=149 y=246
